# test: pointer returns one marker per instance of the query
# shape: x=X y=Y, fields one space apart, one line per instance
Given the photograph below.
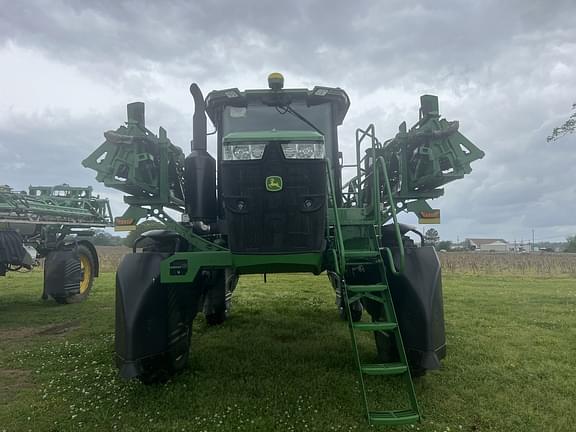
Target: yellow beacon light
x=275 y=81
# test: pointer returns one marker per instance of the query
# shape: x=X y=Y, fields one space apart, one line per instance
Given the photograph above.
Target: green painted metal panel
x=182 y=267
x=62 y=204
x=273 y=136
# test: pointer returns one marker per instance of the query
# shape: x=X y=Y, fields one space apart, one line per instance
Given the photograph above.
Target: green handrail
x=360 y=135
x=379 y=162
x=341 y=261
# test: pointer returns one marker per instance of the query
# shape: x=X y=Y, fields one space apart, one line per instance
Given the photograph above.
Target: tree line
x=104 y=238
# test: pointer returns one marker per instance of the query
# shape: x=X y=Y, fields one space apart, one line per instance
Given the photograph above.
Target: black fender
x=153 y=320
x=418 y=302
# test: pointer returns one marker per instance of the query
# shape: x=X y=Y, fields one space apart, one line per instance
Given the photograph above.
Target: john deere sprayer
x=55 y=223
x=274 y=200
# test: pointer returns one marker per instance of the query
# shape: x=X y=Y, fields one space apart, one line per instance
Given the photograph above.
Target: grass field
x=283 y=362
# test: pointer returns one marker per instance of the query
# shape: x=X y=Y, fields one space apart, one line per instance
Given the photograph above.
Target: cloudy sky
x=505 y=69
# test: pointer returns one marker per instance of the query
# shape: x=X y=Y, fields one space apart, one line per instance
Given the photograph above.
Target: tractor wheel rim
x=86 y=274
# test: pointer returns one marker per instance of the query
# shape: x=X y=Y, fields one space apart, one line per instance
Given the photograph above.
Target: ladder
x=386 y=323
x=371 y=254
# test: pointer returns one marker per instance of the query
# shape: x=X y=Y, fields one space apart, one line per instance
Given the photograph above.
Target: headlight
x=257 y=151
x=291 y=150
x=243 y=151
x=303 y=150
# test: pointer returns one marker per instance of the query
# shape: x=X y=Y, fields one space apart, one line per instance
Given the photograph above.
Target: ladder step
x=375 y=326
x=358 y=223
x=384 y=369
x=362 y=253
x=366 y=288
x=393 y=417
x=361 y=256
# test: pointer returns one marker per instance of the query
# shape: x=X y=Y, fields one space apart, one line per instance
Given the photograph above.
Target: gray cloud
x=324 y=40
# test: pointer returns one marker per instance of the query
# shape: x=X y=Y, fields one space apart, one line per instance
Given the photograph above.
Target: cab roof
x=217 y=100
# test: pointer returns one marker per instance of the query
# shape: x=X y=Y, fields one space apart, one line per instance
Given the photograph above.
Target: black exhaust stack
x=200 y=168
x=199 y=119
x=136 y=113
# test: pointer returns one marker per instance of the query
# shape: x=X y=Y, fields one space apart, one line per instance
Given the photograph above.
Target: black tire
x=218 y=300
x=356 y=314
x=386 y=348
x=218 y=317
x=356 y=308
x=159 y=369
x=88 y=266
x=417 y=372
x=387 y=352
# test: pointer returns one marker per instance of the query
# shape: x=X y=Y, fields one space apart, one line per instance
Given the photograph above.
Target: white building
x=487 y=245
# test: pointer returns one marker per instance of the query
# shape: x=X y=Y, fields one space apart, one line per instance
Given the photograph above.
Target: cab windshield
x=263 y=117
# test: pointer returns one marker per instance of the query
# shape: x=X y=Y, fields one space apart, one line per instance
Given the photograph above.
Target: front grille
x=290 y=220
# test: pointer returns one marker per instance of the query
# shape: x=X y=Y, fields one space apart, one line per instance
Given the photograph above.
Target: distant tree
x=444 y=245
x=568 y=127
x=142 y=228
x=431 y=236
x=103 y=238
x=571 y=246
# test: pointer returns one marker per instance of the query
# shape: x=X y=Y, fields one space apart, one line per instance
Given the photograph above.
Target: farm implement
x=53 y=222
x=274 y=201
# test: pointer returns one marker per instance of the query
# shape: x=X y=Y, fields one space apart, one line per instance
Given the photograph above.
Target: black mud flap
x=153 y=320
x=417 y=297
x=11 y=250
x=62 y=273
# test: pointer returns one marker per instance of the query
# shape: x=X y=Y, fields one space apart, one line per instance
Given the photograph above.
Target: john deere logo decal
x=273 y=183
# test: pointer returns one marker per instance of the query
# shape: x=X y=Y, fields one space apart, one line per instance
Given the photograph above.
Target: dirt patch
x=8 y=335
x=59 y=328
x=19 y=333
x=11 y=382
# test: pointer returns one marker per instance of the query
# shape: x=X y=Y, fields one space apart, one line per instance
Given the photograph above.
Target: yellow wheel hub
x=86 y=267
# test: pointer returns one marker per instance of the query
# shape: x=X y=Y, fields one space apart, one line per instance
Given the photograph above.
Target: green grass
x=283 y=362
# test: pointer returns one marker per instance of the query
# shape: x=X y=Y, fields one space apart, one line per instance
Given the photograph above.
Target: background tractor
x=274 y=201
x=53 y=222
